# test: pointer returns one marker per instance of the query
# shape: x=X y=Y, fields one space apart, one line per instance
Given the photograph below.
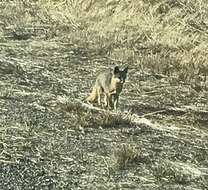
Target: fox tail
x=92 y=96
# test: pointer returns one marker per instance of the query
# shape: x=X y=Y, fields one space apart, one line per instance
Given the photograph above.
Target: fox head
x=119 y=76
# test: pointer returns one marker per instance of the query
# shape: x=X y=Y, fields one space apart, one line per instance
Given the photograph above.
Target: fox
x=110 y=83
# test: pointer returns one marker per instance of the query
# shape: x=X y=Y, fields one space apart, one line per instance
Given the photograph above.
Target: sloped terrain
x=51 y=139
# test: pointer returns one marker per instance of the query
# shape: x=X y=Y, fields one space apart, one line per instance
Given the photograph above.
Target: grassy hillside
x=50 y=54
x=165 y=36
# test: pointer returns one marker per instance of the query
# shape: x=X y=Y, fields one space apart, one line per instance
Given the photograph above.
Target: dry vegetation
x=50 y=53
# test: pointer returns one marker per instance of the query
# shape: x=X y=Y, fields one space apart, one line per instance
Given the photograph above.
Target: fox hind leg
x=99 y=98
x=106 y=100
x=99 y=92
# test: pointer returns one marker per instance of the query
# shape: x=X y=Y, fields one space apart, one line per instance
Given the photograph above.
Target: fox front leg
x=110 y=101
x=99 y=92
x=115 y=103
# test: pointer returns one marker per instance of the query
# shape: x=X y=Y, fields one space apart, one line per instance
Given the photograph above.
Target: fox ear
x=126 y=69
x=116 y=70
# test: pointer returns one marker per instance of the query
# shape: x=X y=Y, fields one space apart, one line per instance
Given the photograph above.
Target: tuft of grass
x=73 y=108
x=85 y=118
x=91 y=118
x=172 y=172
x=108 y=120
x=125 y=155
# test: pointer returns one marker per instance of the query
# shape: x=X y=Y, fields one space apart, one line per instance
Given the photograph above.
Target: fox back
x=112 y=82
